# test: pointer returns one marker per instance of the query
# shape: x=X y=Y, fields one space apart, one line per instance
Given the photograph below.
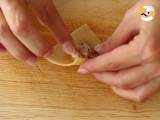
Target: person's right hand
x=20 y=36
x=129 y=60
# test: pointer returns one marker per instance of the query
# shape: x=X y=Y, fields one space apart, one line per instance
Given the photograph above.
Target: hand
x=130 y=58
x=19 y=35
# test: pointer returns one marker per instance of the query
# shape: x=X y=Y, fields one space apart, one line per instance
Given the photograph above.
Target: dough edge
x=83 y=31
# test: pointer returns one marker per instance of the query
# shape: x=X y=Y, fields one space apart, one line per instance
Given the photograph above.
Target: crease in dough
x=81 y=36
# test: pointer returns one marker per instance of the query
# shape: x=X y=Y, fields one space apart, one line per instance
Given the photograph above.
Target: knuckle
x=21 y=26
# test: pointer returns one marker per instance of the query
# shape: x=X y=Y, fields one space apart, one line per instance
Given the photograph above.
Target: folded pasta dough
x=82 y=36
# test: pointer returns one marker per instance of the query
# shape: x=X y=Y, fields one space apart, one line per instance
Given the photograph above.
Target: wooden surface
x=50 y=92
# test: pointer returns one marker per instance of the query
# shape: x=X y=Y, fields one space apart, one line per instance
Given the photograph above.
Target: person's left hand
x=130 y=60
x=21 y=35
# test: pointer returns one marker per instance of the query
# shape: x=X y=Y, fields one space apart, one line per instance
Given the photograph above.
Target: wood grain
x=50 y=92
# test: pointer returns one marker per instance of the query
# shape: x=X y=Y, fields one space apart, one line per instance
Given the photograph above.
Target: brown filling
x=85 y=51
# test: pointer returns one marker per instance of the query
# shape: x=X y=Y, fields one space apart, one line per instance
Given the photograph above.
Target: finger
x=128 y=78
x=122 y=35
x=2 y=49
x=139 y=94
x=23 y=28
x=122 y=57
x=49 y=16
x=10 y=42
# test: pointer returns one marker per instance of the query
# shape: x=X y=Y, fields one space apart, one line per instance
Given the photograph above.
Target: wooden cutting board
x=50 y=92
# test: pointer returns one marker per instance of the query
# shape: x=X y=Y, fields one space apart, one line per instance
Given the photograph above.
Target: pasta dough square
x=82 y=35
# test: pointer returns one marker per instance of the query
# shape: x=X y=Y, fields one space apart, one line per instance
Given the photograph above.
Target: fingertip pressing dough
x=85 y=40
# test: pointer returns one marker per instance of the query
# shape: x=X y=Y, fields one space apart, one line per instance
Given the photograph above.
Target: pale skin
x=19 y=35
x=129 y=60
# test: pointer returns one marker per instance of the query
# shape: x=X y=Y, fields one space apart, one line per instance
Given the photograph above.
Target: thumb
x=122 y=35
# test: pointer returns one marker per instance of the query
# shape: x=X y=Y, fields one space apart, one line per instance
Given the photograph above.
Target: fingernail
x=83 y=71
x=31 y=60
x=69 y=48
x=49 y=53
x=98 y=48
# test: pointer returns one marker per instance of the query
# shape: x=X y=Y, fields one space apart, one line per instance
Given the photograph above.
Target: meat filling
x=85 y=51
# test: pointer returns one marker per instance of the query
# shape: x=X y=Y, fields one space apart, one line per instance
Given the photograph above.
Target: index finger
x=120 y=58
x=48 y=14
